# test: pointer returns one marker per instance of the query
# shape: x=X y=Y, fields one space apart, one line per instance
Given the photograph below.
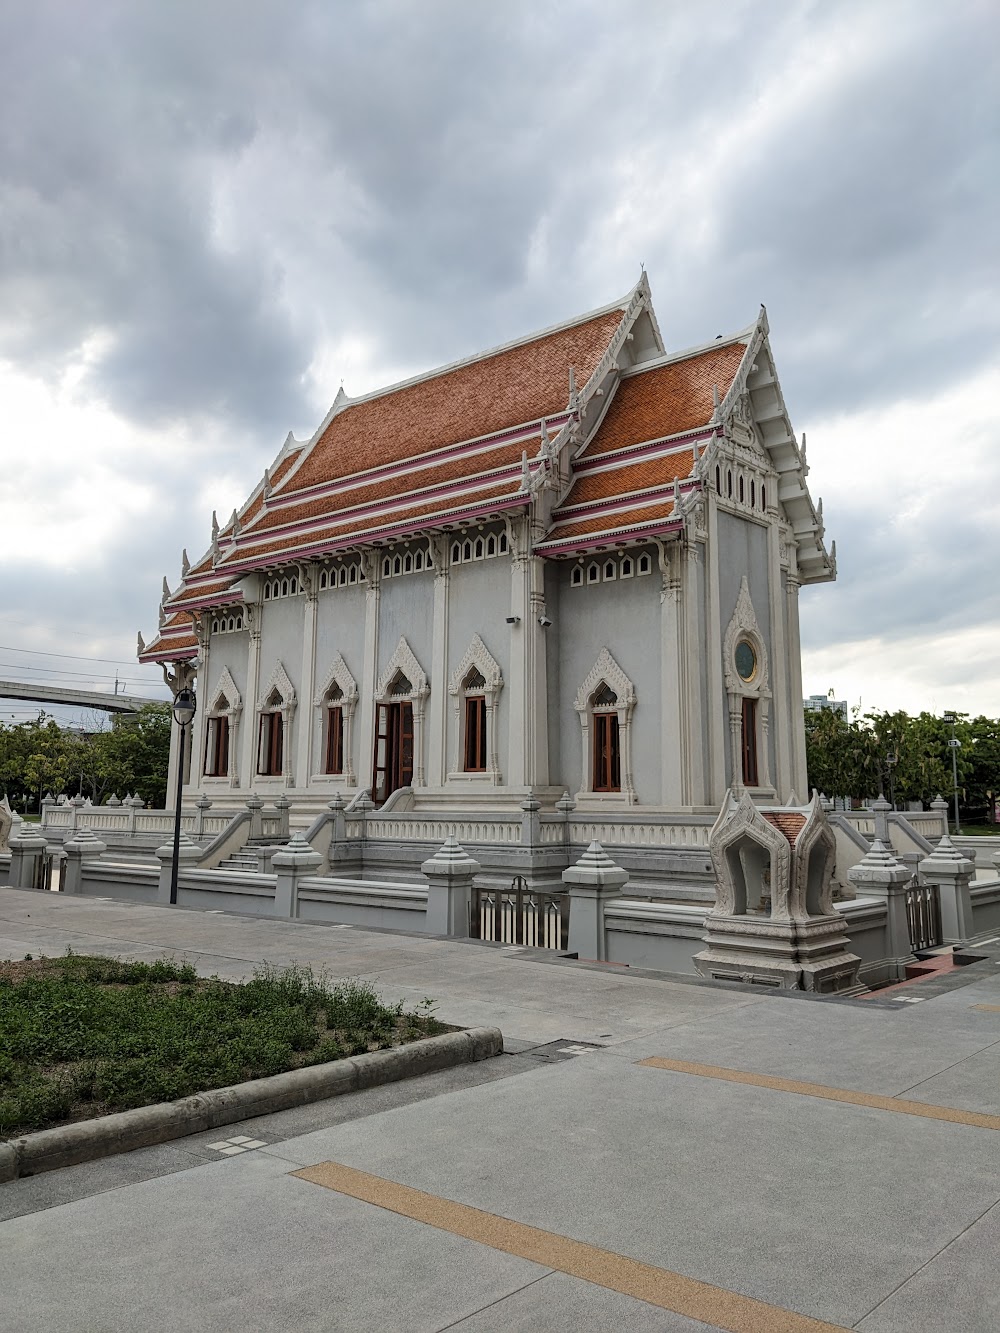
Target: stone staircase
x=242 y=863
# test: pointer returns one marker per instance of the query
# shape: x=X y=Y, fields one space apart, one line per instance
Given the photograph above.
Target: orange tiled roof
x=446 y=469
x=610 y=524
x=175 y=640
x=492 y=393
x=666 y=400
x=377 y=526
x=785 y=822
x=195 y=594
x=607 y=483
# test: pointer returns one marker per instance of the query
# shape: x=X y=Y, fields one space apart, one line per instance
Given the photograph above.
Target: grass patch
x=84 y=1036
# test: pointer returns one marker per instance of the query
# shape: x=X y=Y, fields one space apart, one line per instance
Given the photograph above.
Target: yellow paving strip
x=897 y=1104
x=656 y=1286
x=989 y=1008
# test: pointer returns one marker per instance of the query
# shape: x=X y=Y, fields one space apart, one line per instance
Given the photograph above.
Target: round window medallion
x=746 y=661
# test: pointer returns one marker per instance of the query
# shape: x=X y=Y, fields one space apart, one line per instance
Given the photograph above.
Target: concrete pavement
x=564 y=1185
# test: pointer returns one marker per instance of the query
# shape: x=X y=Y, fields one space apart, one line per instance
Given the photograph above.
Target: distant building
x=817 y=703
x=568 y=564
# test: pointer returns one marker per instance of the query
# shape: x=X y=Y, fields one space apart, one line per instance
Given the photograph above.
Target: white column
x=369 y=671
x=196 y=737
x=437 y=729
x=798 y=747
x=528 y=749
x=248 y=766
x=671 y=743
x=716 y=758
x=175 y=740
x=307 y=712
x=692 y=677
x=783 y=722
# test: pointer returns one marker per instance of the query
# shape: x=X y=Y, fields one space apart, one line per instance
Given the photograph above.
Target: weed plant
x=84 y=1036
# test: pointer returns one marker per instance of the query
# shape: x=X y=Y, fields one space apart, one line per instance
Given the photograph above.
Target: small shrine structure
x=774 y=922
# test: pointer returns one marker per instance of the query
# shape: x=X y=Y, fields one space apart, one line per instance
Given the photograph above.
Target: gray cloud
x=222 y=192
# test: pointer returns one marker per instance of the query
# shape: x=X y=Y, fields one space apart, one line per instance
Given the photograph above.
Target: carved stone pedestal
x=779 y=860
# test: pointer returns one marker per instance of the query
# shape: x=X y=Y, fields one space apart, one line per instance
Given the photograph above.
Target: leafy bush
x=83 y=1036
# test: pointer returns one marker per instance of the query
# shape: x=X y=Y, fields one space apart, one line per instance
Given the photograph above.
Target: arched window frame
x=744 y=628
x=606 y=671
x=404 y=661
x=278 y=686
x=477 y=657
x=339 y=677
x=226 y=703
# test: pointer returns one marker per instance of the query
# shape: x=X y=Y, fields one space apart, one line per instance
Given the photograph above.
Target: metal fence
x=520 y=915
x=923 y=915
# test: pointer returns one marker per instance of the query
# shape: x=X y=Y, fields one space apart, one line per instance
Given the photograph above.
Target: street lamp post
x=184 y=710
x=954 y=745
x=891 y=760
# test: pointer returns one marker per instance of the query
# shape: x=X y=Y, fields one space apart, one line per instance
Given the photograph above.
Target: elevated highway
x=75 y=698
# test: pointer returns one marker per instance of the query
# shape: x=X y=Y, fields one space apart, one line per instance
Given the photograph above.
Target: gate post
x=255 y=805
x=291 y=862
x=188 y=855
x=952 y=872
x=27 y=854
x=879 y=875
x=591 y=882
x=83 y=846
x=450 y=872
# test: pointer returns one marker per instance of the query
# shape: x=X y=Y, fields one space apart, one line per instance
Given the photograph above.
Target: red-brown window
x=749 y=730
x=393 y=765
x=334 y=739
x=475 y=733
x=217 y=747
x=607 y=760
x=270 y=747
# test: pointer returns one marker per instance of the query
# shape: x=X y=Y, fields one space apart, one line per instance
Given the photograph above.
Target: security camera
x=544 y=621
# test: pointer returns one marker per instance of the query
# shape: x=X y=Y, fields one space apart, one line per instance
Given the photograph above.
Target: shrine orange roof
x=786 y=822
x=668 y=399
x=175 y=641
x=491 y=393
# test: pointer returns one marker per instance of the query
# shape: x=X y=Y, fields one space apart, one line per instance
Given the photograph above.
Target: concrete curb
x=127 y=1130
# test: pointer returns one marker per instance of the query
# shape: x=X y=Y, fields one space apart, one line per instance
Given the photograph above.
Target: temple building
x=568 y=564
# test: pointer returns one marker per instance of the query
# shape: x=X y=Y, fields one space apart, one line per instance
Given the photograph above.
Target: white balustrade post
x=84 y=846
x=941 y=806
x=879 y=875
x=591 y=882
x=188 y=856
x=202 y=805
x=450 y=873
x=952 y=873
x=290 y=863
x=255 y=805
x=27 y=850
x=531 y=824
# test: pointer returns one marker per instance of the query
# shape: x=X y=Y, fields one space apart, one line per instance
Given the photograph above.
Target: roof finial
x=525 y=474
x=546 y=446
x=215 y=527
x=185 y=563
x=140 y=644
x=677 y=496
x=833 y=551
x=819 y=509
x=165 y=596
x=234 y=524
x=696 y=450
x=267 y=483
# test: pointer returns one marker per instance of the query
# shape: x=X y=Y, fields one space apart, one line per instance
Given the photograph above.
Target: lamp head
x=185 y=705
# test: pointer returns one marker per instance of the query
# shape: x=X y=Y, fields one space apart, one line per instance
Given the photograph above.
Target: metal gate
x=520 y=915
x=923 y=915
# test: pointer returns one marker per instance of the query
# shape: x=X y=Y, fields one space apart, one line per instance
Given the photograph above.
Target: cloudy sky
x=213 y=213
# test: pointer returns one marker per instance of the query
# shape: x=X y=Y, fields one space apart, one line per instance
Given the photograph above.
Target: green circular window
x=746 y=661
